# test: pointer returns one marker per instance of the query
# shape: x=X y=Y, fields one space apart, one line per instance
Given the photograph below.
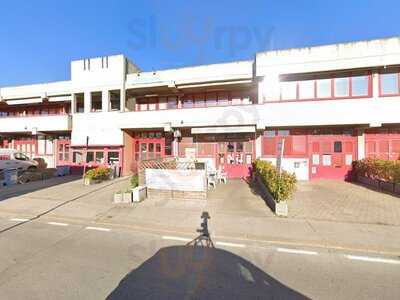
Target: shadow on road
x=200 y=271
x=30 y=187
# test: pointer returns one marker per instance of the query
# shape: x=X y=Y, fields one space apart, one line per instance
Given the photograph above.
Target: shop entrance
x=148 y=146
x=235 y=155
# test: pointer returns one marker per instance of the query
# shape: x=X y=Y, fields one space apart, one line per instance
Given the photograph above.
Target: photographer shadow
x=198 y=270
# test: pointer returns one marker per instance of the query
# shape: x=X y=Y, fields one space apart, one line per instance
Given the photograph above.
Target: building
x=330 y=104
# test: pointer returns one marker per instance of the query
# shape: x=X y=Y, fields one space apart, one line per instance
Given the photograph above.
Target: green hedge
x=386 y=170
x=281 y=187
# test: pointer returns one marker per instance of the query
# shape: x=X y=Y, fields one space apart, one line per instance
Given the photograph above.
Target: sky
x=39 y=38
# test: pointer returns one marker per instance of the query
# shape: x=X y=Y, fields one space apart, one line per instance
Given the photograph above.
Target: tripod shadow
x=204 y=238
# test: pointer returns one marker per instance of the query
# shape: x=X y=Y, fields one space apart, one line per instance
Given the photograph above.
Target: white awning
x=60 y=98
x=229 y=129
x=24 y=101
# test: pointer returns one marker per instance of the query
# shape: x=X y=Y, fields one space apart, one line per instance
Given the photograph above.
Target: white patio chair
x=221 y=175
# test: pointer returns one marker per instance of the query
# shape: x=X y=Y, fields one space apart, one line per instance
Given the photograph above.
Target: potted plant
x=97 y=175
x=123 y=196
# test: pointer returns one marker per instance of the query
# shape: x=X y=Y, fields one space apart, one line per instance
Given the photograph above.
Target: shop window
x=89 y=156
x=389 y=83
x=77 y=157
x=337 y=147
x=113 y=157
x=99 y=157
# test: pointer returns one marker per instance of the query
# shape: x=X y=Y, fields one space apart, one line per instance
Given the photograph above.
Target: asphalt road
x=50 y=259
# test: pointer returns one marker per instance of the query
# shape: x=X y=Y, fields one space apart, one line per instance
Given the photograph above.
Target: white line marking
x=98 y=228
x=374 y=259
x=230 y=244
x=19 y=220
x=175 y=238
x=296 y=251
x=57 y=224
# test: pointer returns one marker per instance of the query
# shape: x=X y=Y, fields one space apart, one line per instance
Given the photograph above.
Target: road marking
x=98 y=228
x=296 y=251
x=175 y=238
x=374 y=259
x=57 y=224
x=230 y=244
x=19 y=220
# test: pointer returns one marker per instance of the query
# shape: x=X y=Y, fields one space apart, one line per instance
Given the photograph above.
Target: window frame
x=382 y=72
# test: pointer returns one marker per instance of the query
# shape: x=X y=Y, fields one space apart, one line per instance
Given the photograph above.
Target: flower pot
x=139 y=193
x=281 y=209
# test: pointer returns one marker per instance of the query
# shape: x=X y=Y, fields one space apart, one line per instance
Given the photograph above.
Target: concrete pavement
x=42 y=260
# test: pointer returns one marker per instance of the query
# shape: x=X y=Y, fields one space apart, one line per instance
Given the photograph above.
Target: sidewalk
x=241 y=220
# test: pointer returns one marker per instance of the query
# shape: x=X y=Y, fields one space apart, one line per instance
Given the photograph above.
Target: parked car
x=14 y=159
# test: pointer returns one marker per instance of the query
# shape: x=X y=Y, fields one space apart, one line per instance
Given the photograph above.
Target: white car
x=14 y=159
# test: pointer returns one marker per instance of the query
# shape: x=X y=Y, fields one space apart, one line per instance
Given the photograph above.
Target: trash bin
x=11 y=176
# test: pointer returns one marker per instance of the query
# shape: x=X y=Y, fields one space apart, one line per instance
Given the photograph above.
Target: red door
x=26 y=146
x=148 y=149
x=235 y=158
x=331 y=155
x=63 y=152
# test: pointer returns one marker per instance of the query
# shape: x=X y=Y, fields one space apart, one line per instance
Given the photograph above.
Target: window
x=223 y=98
x=162 y=103
x=113 y=157
x=199 y=100
x=337 y=147
x=96 y=102
x=89 y=156
x=153 y=103
x=236 y=98
x=172 y=102
x=80 y=103
x=115 y=100
x=324 y=88
x=20 y=156
x=288 y=90
x=77 y=157
x=187 y=101
x=342 y=87
x=389 y=83
x=211 y=99
x=306 y=89
x=360 y=85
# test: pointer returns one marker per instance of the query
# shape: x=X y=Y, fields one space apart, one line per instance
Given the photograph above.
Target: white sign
x=177 y=180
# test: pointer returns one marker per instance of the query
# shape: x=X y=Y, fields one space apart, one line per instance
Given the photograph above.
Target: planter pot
x=139 y=193
x=125 y=197
x=279 y=208
x=89 y=181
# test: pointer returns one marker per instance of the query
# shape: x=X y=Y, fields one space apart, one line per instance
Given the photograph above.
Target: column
x=375 y=85
x=360 y=144
x=87 y=101
x=122 y=98
x=105 y=100
x=73 y=103
x=258 y=145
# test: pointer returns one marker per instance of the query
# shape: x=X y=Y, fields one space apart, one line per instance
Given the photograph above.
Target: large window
x=354 y=85
x=389 y=83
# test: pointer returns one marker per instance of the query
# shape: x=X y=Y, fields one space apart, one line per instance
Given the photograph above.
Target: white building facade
x=330 y=104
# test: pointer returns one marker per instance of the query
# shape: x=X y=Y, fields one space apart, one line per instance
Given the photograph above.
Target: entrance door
x=331 y=155
x=235 y=158
x=148 y=149
x=63 y=152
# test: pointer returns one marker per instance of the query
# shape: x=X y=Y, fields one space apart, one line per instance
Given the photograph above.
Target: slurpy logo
x=198 y=36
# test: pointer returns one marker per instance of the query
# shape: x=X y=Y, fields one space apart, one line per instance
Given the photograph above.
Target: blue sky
x=39 y=38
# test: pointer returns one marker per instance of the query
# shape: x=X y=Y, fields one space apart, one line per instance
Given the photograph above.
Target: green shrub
x=386 y=170
x=100 y=173
x=280 y=187
x=134 y=181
